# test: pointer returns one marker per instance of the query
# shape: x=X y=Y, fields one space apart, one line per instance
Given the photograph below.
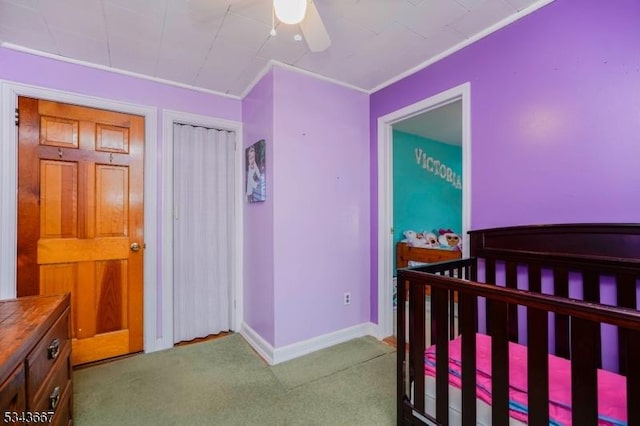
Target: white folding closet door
x=203 y=173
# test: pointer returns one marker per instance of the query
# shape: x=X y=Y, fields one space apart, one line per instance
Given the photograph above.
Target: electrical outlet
x=347 y=298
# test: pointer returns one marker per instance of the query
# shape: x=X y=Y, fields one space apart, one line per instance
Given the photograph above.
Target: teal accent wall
x=427 y=185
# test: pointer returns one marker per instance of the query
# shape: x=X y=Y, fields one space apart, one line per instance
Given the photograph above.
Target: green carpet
x=224 y=382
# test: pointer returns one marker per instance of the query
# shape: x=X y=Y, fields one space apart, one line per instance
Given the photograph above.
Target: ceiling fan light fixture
x=290 y=11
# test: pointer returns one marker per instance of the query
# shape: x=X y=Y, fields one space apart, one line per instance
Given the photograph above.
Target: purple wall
x=308 y=243
x=316 y=217
x=555 y=117
x=49 y=73
x=321 y=228
x=258 y=300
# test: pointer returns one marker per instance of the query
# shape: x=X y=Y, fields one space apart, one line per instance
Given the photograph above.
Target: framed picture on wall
x=256 y=179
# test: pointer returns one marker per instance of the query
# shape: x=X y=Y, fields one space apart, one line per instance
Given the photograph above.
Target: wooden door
x=80 y=188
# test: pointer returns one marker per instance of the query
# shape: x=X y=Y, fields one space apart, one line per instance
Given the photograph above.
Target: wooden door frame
x=385 y=190
x=169 y=118
x=10 y=92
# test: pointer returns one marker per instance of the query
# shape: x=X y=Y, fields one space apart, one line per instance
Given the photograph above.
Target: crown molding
x=274 y=63
x=495 y=27
x=53 y=56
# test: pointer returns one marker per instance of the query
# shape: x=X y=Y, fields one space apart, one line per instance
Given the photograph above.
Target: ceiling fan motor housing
x=290 y=11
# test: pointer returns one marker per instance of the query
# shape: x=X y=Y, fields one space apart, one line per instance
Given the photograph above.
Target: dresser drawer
x=49 y=349
x=63 y=412
x=13 y=392
x=49 y=396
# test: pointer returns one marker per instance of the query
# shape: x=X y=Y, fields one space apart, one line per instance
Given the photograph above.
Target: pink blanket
x=612 y=391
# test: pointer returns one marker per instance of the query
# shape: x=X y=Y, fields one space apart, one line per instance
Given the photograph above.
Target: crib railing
x=450 y=280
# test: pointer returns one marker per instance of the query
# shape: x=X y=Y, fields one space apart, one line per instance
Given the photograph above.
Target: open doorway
x=411 y=118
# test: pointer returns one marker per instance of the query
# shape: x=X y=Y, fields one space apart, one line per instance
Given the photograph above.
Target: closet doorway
x=202 y=226
x=409 y=119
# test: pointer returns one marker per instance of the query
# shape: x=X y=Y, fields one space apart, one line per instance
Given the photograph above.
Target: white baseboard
x=264 y=349
x=277 y=355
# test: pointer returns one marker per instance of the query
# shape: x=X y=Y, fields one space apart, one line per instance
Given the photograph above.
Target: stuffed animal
x=414 y=239
x=430 y=239
x=409 y=236
x=449 y=239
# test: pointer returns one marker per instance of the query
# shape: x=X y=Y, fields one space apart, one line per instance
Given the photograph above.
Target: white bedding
x=483 y=410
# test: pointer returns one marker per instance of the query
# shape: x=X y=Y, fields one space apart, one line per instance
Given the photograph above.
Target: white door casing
x=385 y=190
x=170 y=117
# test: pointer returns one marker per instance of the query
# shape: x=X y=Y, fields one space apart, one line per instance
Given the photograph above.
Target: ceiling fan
x=305 y=13
x=288 y=12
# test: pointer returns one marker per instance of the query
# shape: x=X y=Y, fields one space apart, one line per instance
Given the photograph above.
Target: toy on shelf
x=438 y=239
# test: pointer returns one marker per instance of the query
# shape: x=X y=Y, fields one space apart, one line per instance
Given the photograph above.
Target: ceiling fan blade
x=314 y=30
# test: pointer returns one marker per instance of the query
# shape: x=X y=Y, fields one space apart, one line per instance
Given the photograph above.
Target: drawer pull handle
x=54 y=349
x=54 y=398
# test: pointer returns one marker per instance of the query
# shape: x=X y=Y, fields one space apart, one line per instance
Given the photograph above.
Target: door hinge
x=17 y=117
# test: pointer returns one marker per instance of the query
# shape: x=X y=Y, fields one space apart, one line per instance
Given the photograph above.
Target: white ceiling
x=442 y=124
x=223 y=45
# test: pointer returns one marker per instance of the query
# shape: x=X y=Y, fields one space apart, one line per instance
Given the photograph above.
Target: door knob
x=135 y=247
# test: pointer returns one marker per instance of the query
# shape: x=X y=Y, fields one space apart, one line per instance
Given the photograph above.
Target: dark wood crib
x=548 y=287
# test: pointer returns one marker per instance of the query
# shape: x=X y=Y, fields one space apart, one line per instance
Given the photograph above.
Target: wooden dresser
x=406 y=253
x=35 y=360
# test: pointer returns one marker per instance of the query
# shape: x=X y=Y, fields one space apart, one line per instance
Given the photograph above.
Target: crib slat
x=467 y=316
x=499 y=363
x=472 y=274
x=490 y=270
x=454 y=329
x=591 y=286
x=633 y=377
x=591 y=293
x=432 y=323
x=538 y=366
x=561 y=288
x=490 y=278
x=626 y=290
x=442 y=355
x=535 y=278
x=584 y=399
x=626 y=297
x=417 y=342
x=511 y=276
x=452 y=311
